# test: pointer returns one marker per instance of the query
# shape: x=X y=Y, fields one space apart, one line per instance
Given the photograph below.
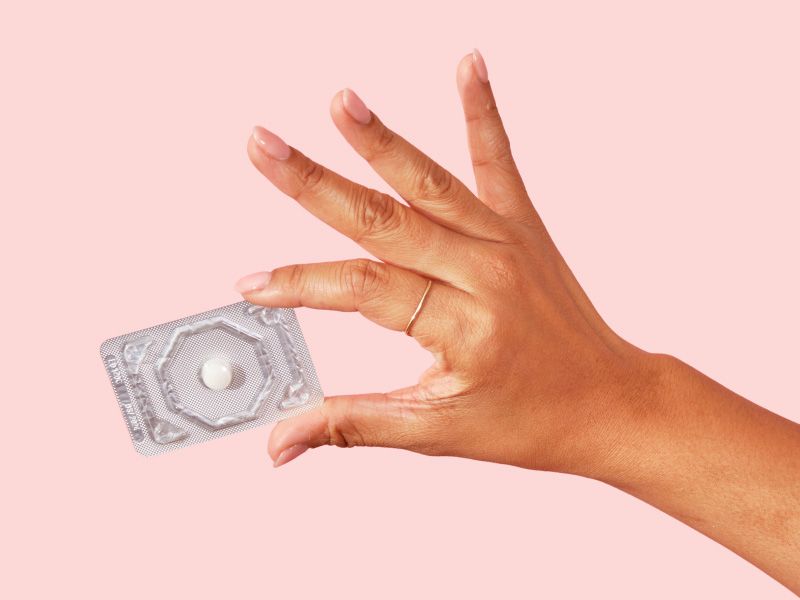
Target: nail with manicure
x=480 y=66
x=253 y=282
x=355 y=107
x=290 y=454
x=271 y=144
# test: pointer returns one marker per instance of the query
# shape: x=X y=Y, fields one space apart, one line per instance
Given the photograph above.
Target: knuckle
x=495 y=142
x=501 y=270
x=375 y=213
x=293 y=277
x=486 y=112
x=480 y=161
x=310 y=176
x=472 y=117
x=501 y=148
x=384 y=143
x=434 y=182
x=486 y=330
x=497 y=153
x=363 y=277
x=342 y=430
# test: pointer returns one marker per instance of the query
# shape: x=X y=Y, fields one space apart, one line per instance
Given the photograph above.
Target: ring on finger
x=413 y=318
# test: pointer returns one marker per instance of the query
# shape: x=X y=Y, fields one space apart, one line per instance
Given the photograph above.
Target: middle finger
x=384 y=227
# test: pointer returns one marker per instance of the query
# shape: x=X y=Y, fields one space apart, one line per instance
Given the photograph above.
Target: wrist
x=632 y=417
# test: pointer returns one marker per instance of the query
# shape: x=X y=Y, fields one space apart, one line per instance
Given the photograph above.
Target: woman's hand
x=525 y=373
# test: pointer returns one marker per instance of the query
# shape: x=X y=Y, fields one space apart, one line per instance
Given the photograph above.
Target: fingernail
x=355 y=106
x=289 y=454
x=271 y=143
x=480 y=66
x=253 y=282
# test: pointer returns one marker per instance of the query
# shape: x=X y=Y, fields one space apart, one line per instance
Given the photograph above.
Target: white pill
x=216 y=373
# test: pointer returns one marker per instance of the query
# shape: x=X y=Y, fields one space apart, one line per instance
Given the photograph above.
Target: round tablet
x=216 y=373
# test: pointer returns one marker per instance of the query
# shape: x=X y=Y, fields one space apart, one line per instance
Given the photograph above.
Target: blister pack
x=209 y=375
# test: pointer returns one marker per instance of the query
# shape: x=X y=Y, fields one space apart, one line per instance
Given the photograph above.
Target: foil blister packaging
x=168 y=399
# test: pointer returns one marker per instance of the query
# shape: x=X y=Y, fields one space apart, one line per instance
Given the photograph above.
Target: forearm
x=719 y=463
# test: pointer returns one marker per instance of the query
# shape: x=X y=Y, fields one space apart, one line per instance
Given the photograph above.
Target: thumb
x=346 y=421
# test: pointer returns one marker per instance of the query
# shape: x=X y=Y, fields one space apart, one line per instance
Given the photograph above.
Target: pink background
x=660 y=141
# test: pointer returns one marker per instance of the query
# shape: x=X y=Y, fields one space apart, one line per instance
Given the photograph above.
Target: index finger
x=499 y=182
x=377 y=222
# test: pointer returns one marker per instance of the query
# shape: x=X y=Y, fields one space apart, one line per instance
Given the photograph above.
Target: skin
x=525 y=370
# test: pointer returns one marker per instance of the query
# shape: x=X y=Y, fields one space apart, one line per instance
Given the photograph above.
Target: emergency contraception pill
x=209 y=375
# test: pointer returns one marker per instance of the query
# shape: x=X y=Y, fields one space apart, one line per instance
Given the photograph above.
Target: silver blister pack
x=209 y=375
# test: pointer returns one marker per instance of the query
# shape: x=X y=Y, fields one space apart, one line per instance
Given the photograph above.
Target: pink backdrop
x=661 y=144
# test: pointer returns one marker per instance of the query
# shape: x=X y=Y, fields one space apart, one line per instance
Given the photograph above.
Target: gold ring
x=419 y=308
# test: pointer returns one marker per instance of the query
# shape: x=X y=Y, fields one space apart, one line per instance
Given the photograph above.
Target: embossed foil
x=155 y=375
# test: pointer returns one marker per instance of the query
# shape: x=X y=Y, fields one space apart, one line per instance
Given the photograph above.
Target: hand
x=525 y=373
